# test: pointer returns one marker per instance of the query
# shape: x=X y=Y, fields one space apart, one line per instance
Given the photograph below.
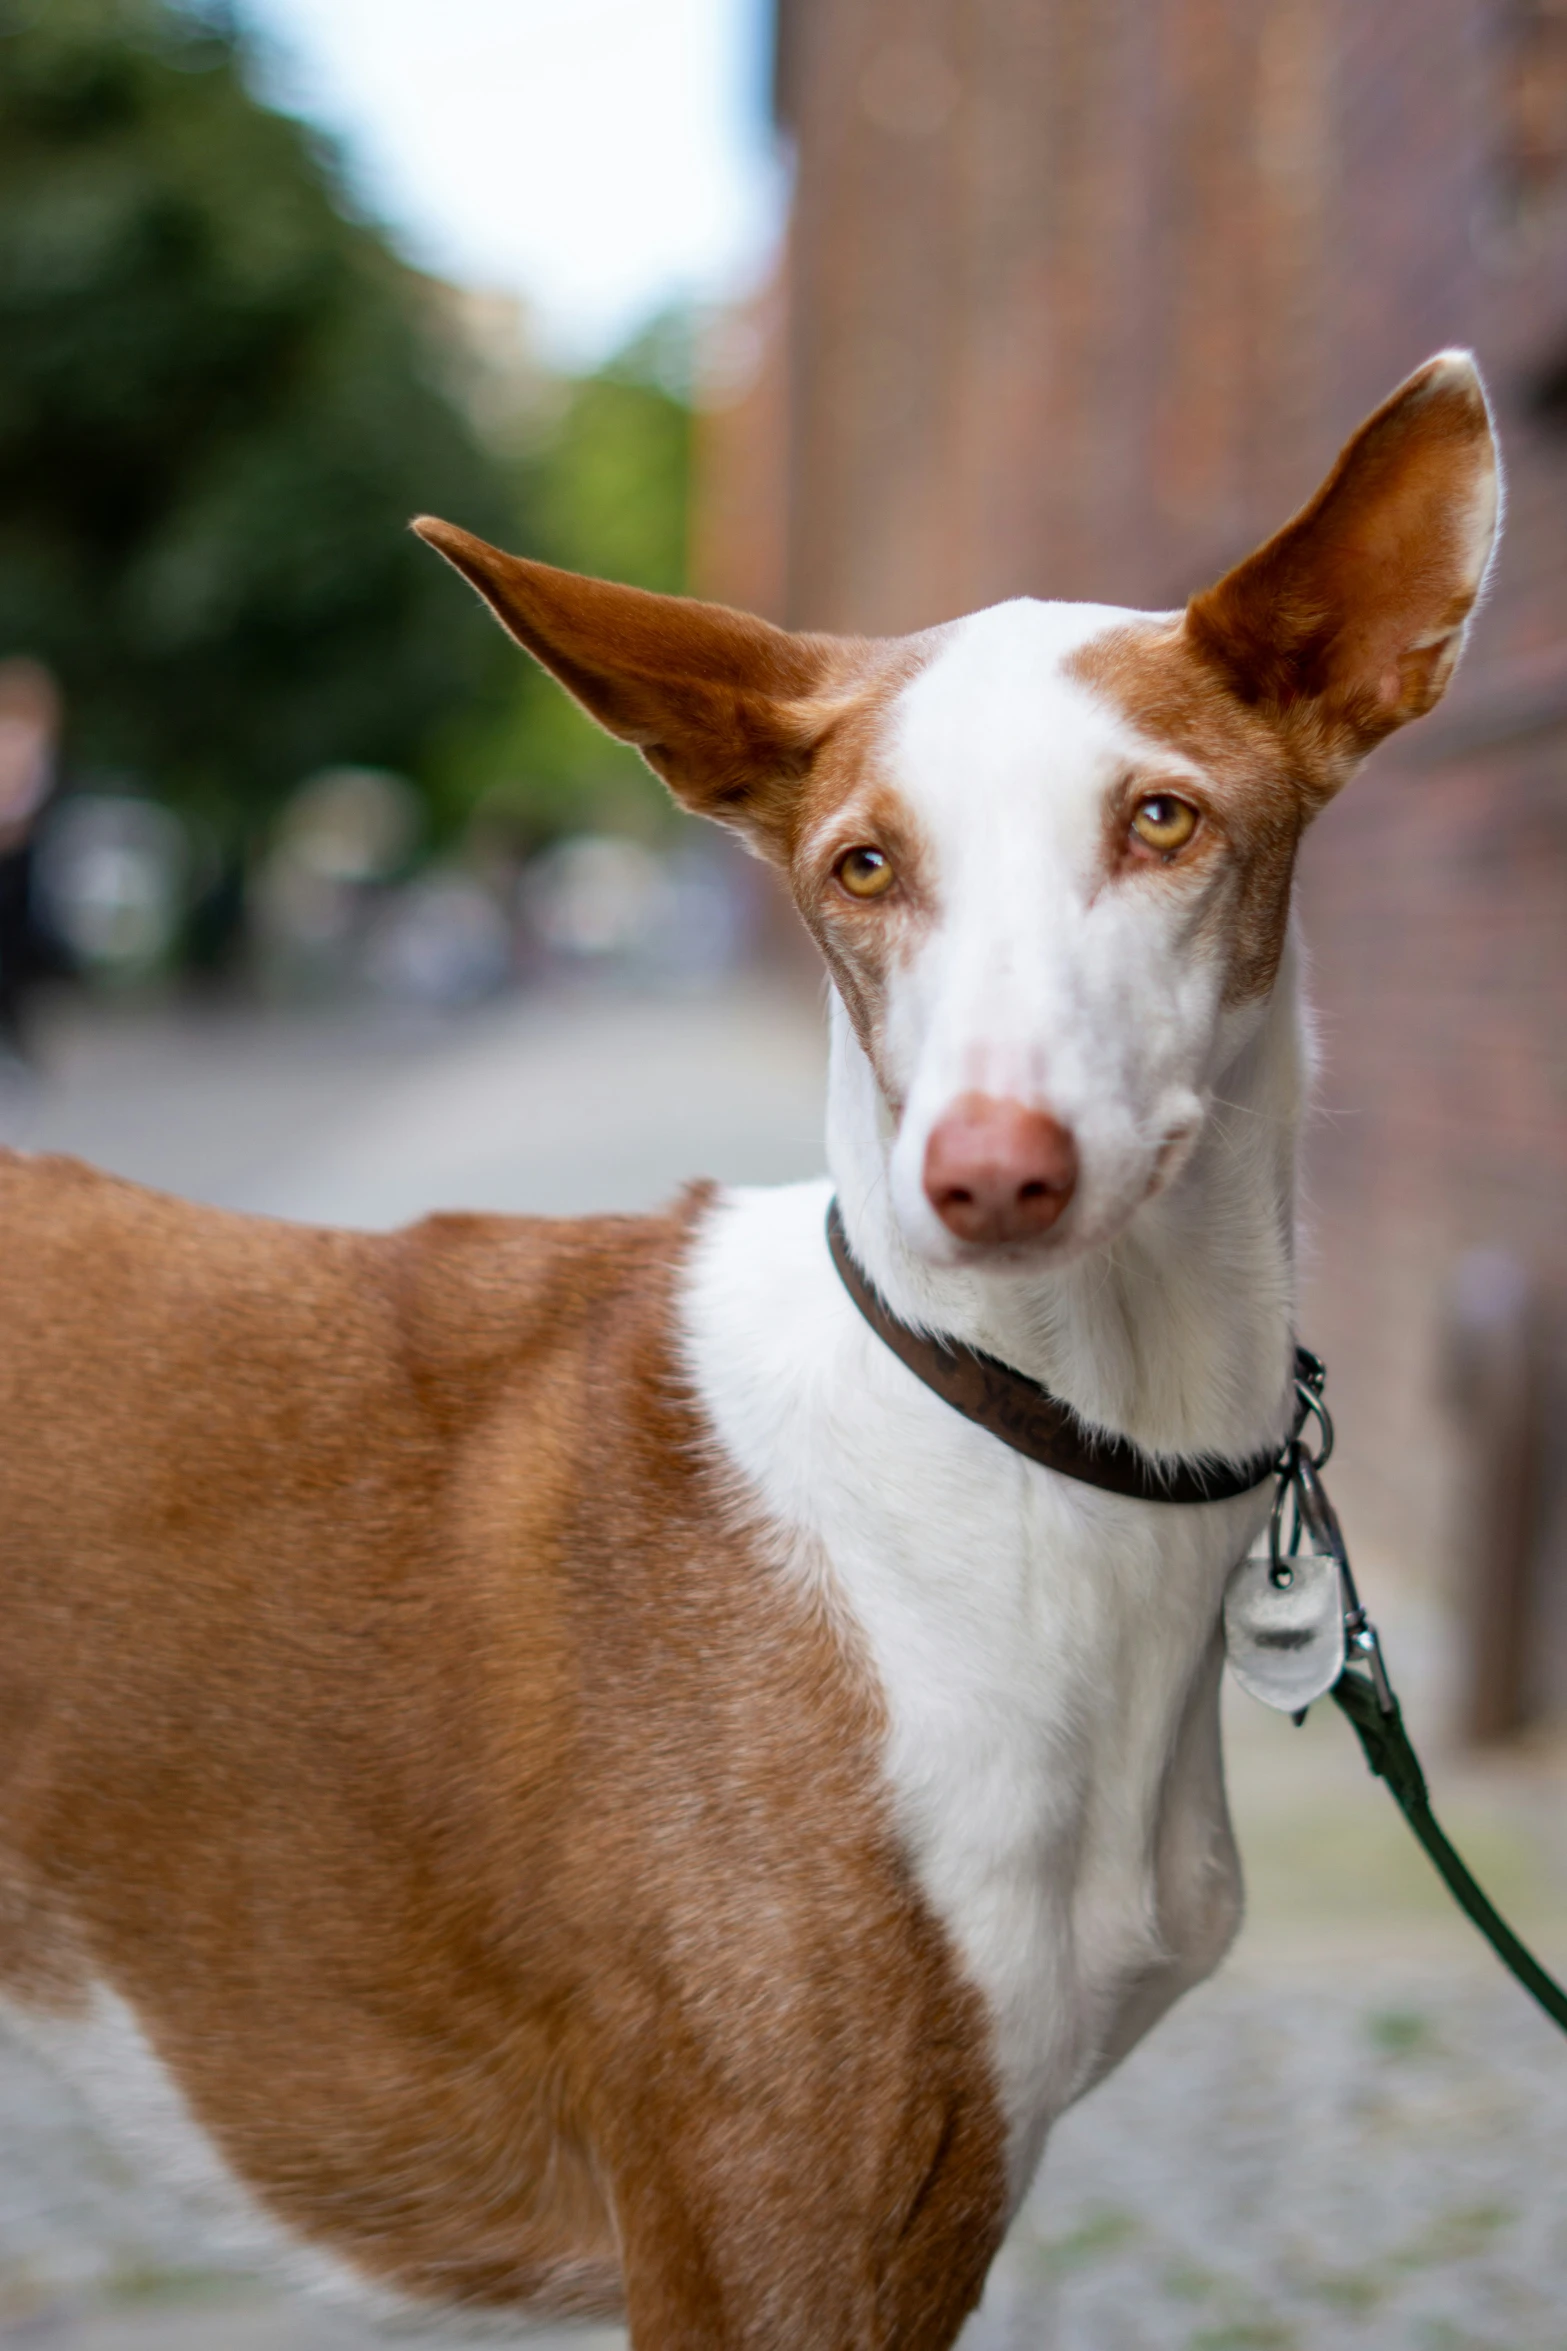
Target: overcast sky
x=601 y=156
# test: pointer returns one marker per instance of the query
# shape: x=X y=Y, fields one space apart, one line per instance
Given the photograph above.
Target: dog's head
x=1046 y=851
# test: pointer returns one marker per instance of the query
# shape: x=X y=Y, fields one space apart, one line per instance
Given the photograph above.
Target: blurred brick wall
x=740 y=515
x=1081 y=297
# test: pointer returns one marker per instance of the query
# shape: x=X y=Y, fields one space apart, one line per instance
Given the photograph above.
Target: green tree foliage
x=221 y=398
x=607 y=490
x=604 y=487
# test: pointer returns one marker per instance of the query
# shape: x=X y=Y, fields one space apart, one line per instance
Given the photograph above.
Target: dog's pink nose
x=995 y=1171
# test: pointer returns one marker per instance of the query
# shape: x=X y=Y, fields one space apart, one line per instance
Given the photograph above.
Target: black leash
x=1025 y=1415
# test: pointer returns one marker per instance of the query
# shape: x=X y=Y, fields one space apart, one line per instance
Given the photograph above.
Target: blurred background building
x=1079 y=299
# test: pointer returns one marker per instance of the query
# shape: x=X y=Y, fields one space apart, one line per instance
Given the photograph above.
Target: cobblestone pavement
x=1355 y=2137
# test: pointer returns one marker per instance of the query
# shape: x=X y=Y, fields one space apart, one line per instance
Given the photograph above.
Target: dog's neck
x=1178 y=1335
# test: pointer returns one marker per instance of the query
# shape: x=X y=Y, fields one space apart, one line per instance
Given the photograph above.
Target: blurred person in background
x=29 y=739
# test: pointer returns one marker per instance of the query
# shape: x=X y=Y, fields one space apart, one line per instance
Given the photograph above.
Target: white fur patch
x=1041 y=978
x=1046 y=1653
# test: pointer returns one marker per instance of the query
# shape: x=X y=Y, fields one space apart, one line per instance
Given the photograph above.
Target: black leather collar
x=1027 y=1417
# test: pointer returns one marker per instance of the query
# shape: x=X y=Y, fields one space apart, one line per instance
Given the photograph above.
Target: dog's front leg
x=735 y=2241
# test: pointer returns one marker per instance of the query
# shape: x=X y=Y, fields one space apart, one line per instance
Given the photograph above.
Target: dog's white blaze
x=1036 y=980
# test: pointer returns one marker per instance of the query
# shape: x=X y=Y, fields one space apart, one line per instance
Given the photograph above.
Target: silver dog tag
x=1285 y=1641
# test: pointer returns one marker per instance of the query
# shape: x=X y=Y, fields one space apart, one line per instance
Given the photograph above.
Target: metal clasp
x=1313 y=1515
x=1311 y=1379
x=1300 y=1485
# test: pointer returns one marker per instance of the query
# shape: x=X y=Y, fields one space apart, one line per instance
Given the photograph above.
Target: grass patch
x=1097 y=2236
x=134 y=2281
x=1353 y=2291
x=1400 y=2032
x=1188 y=2281
x=1245 y=2334
x=1458 y=2235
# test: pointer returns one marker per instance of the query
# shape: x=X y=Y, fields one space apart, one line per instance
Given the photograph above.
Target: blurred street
x=1355 y=2138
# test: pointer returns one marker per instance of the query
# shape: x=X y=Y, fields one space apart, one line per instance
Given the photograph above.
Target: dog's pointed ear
x=1350 y=620
x=727 y=709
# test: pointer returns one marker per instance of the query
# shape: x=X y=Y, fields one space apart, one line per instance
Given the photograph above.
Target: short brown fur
x=1253 y=816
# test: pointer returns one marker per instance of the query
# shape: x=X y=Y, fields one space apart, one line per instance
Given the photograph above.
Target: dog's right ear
x=727 y=709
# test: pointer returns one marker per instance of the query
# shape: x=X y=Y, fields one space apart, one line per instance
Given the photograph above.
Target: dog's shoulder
x=482 y=1298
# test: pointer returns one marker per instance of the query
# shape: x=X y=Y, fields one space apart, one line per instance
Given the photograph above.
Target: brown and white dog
x=537 y=1761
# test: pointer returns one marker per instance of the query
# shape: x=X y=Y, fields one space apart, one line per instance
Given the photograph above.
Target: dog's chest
x=1046 y=1657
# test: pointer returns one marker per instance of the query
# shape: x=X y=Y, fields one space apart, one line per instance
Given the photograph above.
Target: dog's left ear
x=1350 y=620
x=727 y=709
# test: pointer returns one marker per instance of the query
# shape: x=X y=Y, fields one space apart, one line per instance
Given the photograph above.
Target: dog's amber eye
x=865 y=873
x=1164 y=823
